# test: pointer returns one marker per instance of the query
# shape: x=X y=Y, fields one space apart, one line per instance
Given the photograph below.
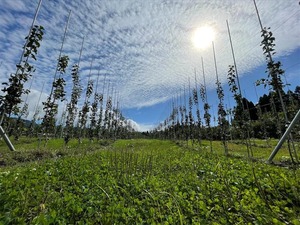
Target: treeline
x=262 y=120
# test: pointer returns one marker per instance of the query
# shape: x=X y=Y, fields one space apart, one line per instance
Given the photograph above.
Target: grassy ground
x=261 y=149
x=29 y=150
x=33 y=149
x=145 y=182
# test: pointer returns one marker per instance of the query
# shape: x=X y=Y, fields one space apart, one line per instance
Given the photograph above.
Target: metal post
x=285 y=135
x=6 y=139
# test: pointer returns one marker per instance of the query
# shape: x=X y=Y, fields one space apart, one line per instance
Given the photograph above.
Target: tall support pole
x=60 y=53
x=278 y=92
x=271 y=61
x=186 y=135
x=206 y=106
x=2 y=132
x=239 y=86
x=285 y=135
x=199 y=134
x=204 y=82
x=31 y=27
x=221 y=116
x=234 y=61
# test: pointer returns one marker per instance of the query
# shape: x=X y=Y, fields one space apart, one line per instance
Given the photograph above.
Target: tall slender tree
x=14 y=88
x=222 y=122
x=190 y=115
x=206 y=106
x=75 y=96
x=57 y=89
x=99 y=125
x=83 y=113
x=198 y=115
x=94 y=109
x=51 y=105
x=241 y=114
x=32 y=127
x=19 y=126
x=275 y=72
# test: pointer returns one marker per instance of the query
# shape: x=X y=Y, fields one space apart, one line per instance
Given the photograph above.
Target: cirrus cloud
x=143 y=48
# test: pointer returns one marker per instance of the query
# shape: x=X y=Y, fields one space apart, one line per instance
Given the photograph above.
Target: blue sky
x=145 y=49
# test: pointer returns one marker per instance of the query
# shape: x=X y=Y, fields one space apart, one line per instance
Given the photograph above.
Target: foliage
x=223 y=123
x=274 y=75
x=72 y=105
x=83 y=114
x=106 y=121
x=15 y=85
x=273 y=68
x=149 y=182
x=239 y=108
x=93 y=119
x=100 y=119
x=206 y=106
x=57 y=93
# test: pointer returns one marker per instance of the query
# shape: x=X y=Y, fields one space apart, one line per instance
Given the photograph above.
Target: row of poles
x=112 y=99
x=174 y=110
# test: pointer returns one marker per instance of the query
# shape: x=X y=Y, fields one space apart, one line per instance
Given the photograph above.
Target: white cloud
x=16 y=5
x=144 y=47
x=141 y=127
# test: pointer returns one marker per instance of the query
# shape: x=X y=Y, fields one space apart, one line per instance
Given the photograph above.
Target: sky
x=144 y=48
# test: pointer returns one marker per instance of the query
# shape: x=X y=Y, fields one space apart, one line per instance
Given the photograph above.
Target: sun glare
x=203 y=37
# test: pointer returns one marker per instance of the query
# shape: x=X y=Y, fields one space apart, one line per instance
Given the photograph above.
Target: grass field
x=145 y=182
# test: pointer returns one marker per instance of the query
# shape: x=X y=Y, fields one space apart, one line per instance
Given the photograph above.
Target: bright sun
x=203 y=37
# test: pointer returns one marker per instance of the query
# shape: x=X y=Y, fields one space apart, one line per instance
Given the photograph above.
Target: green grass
x=148 y=182
x=261 y=149
x=31 y=150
